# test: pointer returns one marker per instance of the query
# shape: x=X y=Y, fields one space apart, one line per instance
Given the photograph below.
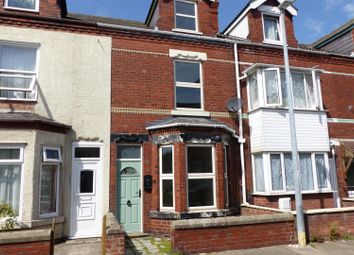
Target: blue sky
x=316 y=17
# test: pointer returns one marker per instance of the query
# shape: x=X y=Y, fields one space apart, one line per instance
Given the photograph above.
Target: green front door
x=129 y=187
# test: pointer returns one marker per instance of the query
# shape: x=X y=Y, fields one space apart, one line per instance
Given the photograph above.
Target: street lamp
x=301 y=234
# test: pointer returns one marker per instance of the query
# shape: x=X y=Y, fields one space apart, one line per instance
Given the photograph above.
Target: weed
x=333 y=232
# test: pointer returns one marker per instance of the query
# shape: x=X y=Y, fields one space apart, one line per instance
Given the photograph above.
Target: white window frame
x=207 y=176
x=250 y=107
x=189 y=85
x=187 y=16
x=167 y=177
x=274 y=17
x=268 y=174
x=45 y=158
x=36 y=9
x=21 y=74
x=16 y=162
x=265 y=88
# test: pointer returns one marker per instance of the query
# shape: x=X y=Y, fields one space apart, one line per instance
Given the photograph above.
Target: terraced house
x=107 y=115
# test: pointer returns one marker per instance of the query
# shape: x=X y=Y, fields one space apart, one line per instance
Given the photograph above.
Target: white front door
x=85 y=206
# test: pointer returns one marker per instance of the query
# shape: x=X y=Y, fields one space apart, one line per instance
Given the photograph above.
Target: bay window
x=189 y=89
x=201 y=177
x=253 y=88
x=11 y=163
x=166 y=178
x=186 y=15
x=31 y=5
x=273 y=172
x=18 y=71
x=49 y=182
x=272 y=87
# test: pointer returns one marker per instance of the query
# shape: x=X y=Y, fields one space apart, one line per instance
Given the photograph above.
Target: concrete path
x=79 y=247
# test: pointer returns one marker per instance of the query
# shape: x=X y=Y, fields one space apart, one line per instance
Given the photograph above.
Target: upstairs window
x=18 y=71
x=271 y=29
x=189 y=92
x=31 y=5
x=186 y=15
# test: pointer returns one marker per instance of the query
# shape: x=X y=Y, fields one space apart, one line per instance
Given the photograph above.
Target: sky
x=315 y=19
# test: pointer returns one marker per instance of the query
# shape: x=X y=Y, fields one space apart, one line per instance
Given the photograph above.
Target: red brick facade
x=30 y=248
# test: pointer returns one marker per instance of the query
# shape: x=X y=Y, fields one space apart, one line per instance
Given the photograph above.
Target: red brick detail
x=180 y=178
x=319 y=224
x=158 y=227
x=115 y=244
x=30 y=248
x=219 y=175
x=247 y=211
x=113 y=178
x=191 y=241
x=47 y=8
x=207 y=16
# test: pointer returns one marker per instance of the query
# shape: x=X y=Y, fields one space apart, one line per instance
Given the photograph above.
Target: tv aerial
x=234 y=104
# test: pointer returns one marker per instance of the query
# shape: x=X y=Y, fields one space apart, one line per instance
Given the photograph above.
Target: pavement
x=147 y=245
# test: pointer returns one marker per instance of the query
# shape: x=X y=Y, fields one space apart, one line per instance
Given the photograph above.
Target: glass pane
x=200 y=192
x=25 y=4
x=259 y=172
x=185 y=8
x=52 y=154
x=87 y=152
x=167 y=165
x=48 y=199
x=188 y=98
x=10 y=154
x=17 y=57
x=310 y=90
x=284 y=91
x=289 y=173
x=276 y=170
x=86 y=181
x=321 y=171
x=185 y=23
x=15 y=82
x=10 y=183
x=271 y=29
x=187 y=72
x=272 y=88
x=128 y=151
x=199 y=160
x=299 y=91
x=167 y=193
x=254 y=91
x=306 y=171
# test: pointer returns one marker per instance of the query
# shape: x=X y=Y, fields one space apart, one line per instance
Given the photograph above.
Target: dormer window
x=271 y=29
x=28 y=5
x=186 y=15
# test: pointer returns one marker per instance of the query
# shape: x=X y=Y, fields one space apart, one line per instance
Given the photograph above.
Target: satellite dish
x=234 y=104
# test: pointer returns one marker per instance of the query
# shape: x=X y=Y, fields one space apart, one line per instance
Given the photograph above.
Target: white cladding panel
x=241 y=29
x=270 y=130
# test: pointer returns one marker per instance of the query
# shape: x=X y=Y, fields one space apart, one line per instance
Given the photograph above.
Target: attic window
x=186 y=15
x=29 y=5
x=271 y=29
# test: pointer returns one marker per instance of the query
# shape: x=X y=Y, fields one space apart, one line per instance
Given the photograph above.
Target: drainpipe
x=241 y=140
x=334 y=178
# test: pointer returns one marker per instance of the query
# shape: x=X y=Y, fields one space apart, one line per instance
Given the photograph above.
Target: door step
x=136 y=235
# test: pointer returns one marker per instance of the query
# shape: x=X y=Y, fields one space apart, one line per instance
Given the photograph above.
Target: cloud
x=349 y=9
x=314 y=26
x=330 y=4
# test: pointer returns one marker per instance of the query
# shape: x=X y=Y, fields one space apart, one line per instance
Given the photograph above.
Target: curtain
x=48 y=189
x=271 y=29
x=299 y=91
x=26 y=4
x=272 y=89
x=289 y=173
x=259 y=173
x=254 y=91
x=18 y=58
x=310 y=90
x=306 y=171
x=276 y=171
x=321 y=171
x=10 y=184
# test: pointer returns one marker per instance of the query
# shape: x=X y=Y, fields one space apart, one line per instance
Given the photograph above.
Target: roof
x=101 y=19
x=254 y=4
x=29 y=117
x=333 y=35
x=189 y=122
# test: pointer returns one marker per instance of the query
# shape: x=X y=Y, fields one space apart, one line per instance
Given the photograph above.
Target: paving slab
x=79 y=247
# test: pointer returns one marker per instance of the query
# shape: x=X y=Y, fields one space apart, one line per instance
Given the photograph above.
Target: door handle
x=139 y=192
x=129 y=203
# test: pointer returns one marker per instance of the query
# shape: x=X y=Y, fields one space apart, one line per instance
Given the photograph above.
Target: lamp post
x=301 y=234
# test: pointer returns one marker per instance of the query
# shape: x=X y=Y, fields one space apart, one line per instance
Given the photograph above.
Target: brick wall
x=115 y=244
x=47 y=8
x=30 y=248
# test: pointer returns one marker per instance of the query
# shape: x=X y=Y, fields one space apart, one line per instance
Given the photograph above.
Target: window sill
x=279 y=43
x=166 y=215
x=20 y=9
x=190 y=113
x=186 y=31
x=285 y=109
x=19 y=100
x=270 y=194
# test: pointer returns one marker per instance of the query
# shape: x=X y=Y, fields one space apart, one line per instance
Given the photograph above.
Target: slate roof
x=189 y=122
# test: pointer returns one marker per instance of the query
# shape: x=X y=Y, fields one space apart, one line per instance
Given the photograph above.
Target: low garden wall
x=31 y=242
x=113 y=236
